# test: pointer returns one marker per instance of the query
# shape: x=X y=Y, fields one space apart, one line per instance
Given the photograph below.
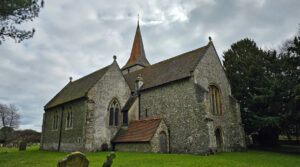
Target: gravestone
x=104 y=147
x=75 y=159
x=22 y=146
x=109 y=159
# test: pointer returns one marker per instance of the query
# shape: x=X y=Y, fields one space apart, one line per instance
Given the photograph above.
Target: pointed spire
x=137 y=56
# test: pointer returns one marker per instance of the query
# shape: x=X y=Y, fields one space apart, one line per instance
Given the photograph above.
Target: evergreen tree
x=252 y=72
x=290 y=79
x=267 y=86
x=14 y=12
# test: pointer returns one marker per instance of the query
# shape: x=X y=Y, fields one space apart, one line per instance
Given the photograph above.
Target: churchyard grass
x=32 y=157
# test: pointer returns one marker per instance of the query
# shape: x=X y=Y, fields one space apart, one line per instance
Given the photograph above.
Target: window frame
x=55 y=121
x=114 y=110
x=215 y=97
x=125 y=117
x=69 y=119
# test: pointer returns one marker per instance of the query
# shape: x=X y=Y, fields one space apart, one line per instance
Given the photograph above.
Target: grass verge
x=32 y=157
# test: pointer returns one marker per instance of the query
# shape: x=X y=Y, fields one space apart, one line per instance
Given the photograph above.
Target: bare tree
x=3 y=114
x=14 y=116
x=9 y=116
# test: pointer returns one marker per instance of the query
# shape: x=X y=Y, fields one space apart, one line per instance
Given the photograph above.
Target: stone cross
x=109 y=159
x=75 y=159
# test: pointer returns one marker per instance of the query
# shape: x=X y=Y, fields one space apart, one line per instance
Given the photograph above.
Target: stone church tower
x=179 y=105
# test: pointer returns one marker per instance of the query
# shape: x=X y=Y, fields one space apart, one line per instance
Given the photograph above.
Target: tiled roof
x=172 y=69
x=76 y=89
x=129 y=103
x=138 y=131
x=137 y=55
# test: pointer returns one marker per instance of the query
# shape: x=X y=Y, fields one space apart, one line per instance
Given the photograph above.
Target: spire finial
x=138 y=19
x=137 y=55
x=209 y=38
x=70 y=79
x=115 y=57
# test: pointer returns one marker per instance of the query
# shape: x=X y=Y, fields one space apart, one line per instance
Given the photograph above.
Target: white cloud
x=74 y=38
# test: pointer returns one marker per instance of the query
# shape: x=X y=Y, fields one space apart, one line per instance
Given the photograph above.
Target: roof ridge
x=91 y=73
x=74 y=83
x=56 y=95
x=172 y=58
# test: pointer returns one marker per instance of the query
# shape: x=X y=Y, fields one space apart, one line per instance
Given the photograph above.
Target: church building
x=179 y=105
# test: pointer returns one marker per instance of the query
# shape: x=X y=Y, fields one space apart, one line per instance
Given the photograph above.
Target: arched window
x=215 y=100
x=55 y=121
x=69 y=120
x=114 y=109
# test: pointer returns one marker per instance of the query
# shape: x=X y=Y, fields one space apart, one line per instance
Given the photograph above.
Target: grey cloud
x=75 y=38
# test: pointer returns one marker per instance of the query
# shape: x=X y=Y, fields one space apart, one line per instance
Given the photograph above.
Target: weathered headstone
x=75 y=159
x=22 y=146
x=9 y=145
x=104 y=147
x=109 y=159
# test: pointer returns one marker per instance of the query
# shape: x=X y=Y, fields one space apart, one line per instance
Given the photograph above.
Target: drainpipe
x=169 y=140
x=60 y=128
x=139 y=100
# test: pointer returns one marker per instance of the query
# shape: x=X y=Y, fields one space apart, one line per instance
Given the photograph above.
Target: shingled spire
x=137 y=56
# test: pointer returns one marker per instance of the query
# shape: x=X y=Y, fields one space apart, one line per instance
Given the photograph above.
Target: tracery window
x=69 y=121
x=55 y=121
x=114 y=110
x=215 y=100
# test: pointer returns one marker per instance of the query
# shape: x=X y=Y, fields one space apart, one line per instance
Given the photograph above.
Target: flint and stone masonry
x=175 y=91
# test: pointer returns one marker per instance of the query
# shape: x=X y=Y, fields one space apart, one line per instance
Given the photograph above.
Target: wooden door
x=163 y=142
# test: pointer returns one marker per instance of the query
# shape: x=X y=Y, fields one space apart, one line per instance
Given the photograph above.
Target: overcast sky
x=75 y=38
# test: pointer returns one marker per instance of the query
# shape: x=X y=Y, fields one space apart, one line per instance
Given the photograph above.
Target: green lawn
x=33 y=157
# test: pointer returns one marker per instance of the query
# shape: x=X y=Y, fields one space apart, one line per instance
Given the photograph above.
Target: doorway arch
x=219 y=140
x=163 y=142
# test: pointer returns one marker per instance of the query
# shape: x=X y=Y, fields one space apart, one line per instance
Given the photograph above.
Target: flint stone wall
x=155 y=141
x=111 y=85
x=133 y=147
x=72 y=139
x=185 y=105
x=210 y=72
x=184 y=117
